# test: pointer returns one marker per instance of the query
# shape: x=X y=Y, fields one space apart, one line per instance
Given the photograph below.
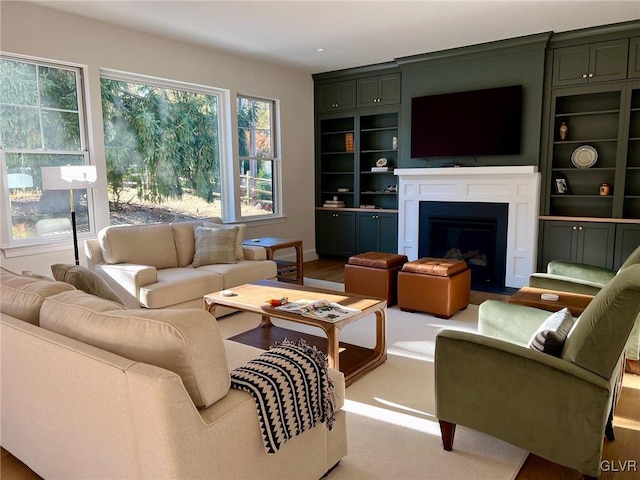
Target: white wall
x=29 y=29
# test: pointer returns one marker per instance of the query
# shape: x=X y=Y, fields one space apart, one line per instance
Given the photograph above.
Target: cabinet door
x=627 y=240
x=389 y=89
x=367 y=92
x=346 y=95
x=559 y=242
x=595 y=244
x=388 y=232
x=325 y=237
x=634 y=58
x=367 y=232
x=345 y=233
x=570 y=65
x=608 y=61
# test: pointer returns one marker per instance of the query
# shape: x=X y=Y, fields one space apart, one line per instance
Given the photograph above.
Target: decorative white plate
x=584 y=156
x=343 y=190
x=381 y=162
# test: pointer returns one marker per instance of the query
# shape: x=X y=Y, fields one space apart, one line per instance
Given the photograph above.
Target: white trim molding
x=517 y=186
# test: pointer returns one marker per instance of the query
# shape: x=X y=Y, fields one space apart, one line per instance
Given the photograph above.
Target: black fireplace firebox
x=471 y=231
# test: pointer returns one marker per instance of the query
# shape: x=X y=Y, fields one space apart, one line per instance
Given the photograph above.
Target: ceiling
x=352 y=32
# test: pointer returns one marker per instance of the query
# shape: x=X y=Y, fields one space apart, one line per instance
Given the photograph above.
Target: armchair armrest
x=127 y=278
x=581 y=271
x=535 y=401
x=564 y=284
x=515 y=323
x=252 y=252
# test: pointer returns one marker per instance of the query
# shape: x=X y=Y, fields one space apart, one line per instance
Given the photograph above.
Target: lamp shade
x=73 y=177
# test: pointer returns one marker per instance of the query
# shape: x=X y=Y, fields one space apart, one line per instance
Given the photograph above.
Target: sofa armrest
x=127 y=279
x=515 y=323
x=564 y=284
x=254 y=252
x=581 y=271
x=93 y=252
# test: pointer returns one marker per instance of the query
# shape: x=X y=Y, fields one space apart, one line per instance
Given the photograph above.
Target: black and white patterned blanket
x=291 y=388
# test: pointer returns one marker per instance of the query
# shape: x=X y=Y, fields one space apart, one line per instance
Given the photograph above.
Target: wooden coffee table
x=352 y=360
x=530 y=297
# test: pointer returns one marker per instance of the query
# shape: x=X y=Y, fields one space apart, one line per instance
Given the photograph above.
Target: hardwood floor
x=623 y=451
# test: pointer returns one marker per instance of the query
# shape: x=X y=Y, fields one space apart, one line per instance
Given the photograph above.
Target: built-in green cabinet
x=627 y=240
x=336 y=167
x=582 y=242
x=377 y=232
x=335 y=96
x=630 y=177
x=335 y=233
x=378 y=90
x=590 y=63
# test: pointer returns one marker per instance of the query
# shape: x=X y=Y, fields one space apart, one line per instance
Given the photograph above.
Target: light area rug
x=392 y=429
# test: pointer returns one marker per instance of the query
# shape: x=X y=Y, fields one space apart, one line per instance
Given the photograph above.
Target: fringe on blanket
x=292 y=390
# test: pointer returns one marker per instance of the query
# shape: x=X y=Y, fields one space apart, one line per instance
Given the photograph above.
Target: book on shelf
x=334 y=203
x=367 y=206
x=379 y=169
x=320 y=309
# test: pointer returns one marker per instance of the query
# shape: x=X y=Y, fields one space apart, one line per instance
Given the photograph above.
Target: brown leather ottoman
x=374 y=274
x=434 y=285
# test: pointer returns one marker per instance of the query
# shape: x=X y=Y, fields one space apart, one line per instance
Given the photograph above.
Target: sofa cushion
x=186 y=342
x=185 y=240
x=21 y=297
x=84 y=279
x=551 y=335
x=239 y=238
x=178 y=285
x=151 y=245
x=245 y=271
x=215 y=245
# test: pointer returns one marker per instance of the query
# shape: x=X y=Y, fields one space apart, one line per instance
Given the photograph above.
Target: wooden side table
x=291 y=272
x=530 y=297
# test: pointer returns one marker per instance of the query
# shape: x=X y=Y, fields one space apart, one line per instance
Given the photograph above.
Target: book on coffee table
x=322 y=309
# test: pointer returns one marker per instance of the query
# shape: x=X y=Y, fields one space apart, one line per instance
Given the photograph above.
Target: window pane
x=18 y=83
x=38 y=213
x=256 y=187
x=20 y=127
x=61 y=130
x=162 y=148
x=58 y=88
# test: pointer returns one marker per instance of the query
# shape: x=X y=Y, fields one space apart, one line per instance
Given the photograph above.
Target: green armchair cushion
x=551 y=335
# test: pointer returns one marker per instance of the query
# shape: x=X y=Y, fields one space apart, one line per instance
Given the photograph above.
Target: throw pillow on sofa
x=84 y=279
x=214 y=245
x=241 y=229
x=551 y=335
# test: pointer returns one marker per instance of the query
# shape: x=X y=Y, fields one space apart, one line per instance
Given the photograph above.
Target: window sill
x=256 y=221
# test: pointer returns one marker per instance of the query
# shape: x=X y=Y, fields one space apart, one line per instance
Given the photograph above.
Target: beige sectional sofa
x=149 y=265
x=93 y=390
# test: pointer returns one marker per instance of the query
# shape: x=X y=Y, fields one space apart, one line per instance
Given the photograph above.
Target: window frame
x=224 y=121
x=276 y=159
x=18 y=247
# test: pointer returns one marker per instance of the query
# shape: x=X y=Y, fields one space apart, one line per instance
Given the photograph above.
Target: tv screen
x=479 y=122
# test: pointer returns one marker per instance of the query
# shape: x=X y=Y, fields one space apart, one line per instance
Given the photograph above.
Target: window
x=41 y=124
x=258 y=157
x=163 y=149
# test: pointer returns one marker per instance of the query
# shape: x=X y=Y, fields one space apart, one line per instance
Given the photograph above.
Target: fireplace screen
x=473 y=232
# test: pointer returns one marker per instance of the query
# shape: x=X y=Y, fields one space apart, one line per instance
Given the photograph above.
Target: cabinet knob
x=591 y=75
x=580 y=228
x=584 y=75
x=574 y=227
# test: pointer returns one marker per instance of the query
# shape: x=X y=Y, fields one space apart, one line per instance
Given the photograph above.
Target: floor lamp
x=80 y=177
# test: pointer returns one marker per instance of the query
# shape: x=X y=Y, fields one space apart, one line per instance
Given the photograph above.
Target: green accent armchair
x=588 y=280
x=555 y=407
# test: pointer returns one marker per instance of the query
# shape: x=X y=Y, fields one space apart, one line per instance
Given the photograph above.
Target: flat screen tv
x=479 y=122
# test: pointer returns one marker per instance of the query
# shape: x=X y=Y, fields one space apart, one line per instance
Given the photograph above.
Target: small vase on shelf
x=564 y=129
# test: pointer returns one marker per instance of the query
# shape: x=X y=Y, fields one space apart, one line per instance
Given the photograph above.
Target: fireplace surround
x=516 y=186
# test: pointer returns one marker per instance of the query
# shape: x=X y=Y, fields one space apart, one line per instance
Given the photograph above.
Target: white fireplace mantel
x=517 y=186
